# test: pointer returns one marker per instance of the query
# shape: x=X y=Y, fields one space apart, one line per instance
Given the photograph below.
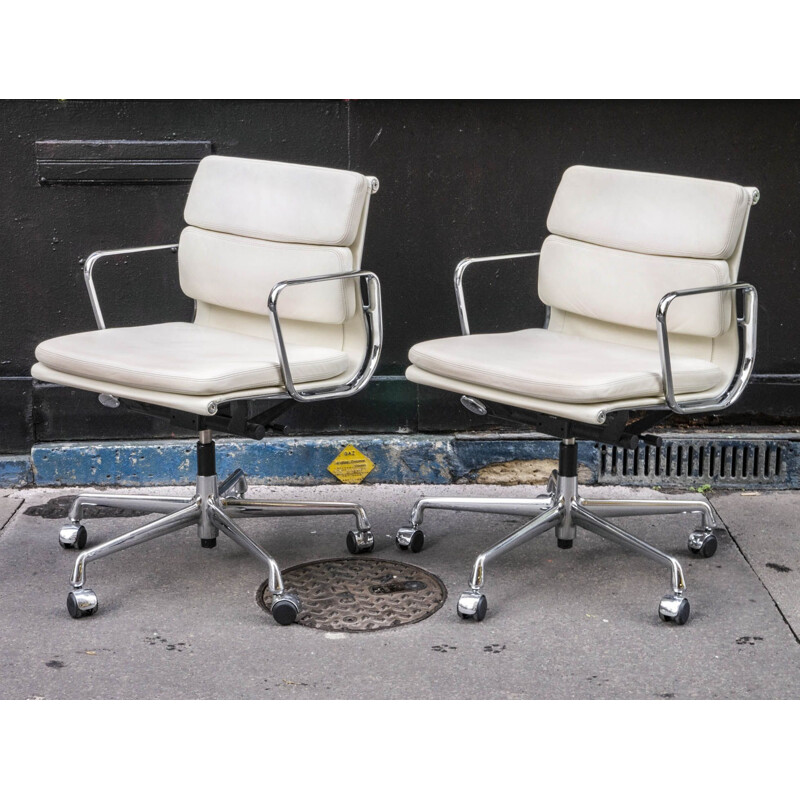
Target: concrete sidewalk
x=179 y=621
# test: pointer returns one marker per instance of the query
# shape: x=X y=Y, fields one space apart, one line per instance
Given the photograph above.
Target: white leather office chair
x=625 y=248
x=271 y=257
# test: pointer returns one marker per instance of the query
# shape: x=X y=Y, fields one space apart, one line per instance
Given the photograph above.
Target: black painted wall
x=457 y=179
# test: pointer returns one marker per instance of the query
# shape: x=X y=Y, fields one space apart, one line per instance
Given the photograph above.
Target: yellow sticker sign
x=351 y=466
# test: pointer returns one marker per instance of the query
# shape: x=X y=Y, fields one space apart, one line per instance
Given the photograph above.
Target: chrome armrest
x=374 y=328
x=458 y=279
x=747 y=323
x=100 y=254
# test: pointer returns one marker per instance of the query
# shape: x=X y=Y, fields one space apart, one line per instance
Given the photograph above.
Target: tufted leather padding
x=184 y=358
x=229 y=265
x=624 y=287
x=276 y=201
x=619 y=242
x=556 y=366
x=645 y=212
x=239 y=272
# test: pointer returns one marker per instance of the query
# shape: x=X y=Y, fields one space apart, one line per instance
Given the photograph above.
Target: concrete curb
x=15 y=471
x=291 y=461
x=398 y=459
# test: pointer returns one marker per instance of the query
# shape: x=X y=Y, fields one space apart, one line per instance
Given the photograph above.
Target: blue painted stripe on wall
x=290 y=461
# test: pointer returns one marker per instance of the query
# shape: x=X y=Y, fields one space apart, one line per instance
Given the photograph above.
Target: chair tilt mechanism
x=283 y=315
x=609 y=364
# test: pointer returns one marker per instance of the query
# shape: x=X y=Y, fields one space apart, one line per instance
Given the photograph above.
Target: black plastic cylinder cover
x=206 y=459
x=568 y=460
x=565 y=544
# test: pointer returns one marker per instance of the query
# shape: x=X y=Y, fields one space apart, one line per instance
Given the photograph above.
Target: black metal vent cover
x=104 y=161
x=687 y=461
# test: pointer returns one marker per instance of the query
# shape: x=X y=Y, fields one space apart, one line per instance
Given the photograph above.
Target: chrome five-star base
x=213 y=508
x=562 y=509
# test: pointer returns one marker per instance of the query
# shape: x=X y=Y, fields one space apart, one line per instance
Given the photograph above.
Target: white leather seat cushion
x=557 y=366
x=185 y=358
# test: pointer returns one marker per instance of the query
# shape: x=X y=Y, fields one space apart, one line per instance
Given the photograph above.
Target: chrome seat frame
x=562 y=508
x=216 y=504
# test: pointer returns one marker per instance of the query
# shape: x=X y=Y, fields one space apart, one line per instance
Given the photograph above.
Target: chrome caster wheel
x=285 y=609
x=410 y=539
x=360 y=542
x=81 y=603
x=674 y=609
x=72 y=536
x=472 y=605
x=703 y=543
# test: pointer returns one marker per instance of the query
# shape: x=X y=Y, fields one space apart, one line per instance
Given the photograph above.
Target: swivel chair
x=625 y=248
x=283 y=315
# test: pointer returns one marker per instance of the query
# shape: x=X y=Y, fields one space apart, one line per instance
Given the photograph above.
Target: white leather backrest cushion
x=277 y=201
x=624 y=287
x=239 y=272
x=649 y=213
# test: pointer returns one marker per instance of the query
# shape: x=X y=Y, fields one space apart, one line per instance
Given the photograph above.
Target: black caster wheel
x=410 y=539
x=72 y=537
x=81 y=603
x=703 y=544
x=674 y=609
x=472 y=605
x=360 y=542
x=417 y=541
x=285 y=609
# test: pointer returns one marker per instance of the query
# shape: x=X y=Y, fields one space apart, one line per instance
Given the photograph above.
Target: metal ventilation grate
x=689 y=462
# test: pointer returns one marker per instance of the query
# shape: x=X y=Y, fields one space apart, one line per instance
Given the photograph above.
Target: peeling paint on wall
x=512 y=473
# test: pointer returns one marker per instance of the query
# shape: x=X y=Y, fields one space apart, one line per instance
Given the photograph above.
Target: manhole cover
x=360 y=594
